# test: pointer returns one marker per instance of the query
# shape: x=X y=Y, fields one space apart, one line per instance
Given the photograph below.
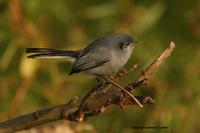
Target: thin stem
x=120 y=87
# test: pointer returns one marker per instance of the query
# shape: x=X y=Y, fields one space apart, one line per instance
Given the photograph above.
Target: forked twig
x=122 y=88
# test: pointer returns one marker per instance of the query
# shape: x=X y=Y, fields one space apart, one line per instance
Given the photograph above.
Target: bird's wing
x=88 y=61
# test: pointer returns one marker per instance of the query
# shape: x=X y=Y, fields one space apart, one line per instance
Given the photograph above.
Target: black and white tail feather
x=51 y=53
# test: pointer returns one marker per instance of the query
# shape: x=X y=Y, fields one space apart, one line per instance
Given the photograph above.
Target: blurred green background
x=27 y=85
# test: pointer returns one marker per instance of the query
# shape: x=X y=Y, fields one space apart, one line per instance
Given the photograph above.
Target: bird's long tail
x=51 y=53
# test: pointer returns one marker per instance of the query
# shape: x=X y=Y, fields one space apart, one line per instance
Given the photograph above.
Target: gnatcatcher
x=102 y=57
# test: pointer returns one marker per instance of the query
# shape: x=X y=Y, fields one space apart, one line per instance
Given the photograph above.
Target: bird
x=104 y=56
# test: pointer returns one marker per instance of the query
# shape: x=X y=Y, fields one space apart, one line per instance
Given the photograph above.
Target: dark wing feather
x=91 y=57
x=85 y=65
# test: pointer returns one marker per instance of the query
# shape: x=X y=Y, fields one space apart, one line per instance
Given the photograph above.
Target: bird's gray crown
x=110 y=40
x=119 y=37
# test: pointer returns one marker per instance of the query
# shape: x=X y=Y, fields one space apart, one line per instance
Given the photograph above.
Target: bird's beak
x=137 y=42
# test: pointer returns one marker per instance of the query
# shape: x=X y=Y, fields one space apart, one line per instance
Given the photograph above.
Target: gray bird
x=102 y=57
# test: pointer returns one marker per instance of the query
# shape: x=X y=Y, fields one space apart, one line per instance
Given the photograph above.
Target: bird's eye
x=121 y=45
x=124 y=45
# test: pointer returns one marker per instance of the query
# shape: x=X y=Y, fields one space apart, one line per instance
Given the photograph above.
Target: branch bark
x=95 y=105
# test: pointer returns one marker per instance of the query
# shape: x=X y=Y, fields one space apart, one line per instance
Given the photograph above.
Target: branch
x=64 y=111
x=146 y=74
x=95 y=105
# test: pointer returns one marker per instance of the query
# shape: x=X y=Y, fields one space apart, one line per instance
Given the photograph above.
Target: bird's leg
x=110 y=80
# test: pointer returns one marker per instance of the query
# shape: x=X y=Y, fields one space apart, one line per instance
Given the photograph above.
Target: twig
x=79 y=116
x=131 y=95
x=146 y=74
x=95 y=105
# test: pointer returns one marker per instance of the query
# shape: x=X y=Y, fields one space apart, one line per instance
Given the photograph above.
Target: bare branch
x=64 y=111
x=95 y=105
x=146 y=74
